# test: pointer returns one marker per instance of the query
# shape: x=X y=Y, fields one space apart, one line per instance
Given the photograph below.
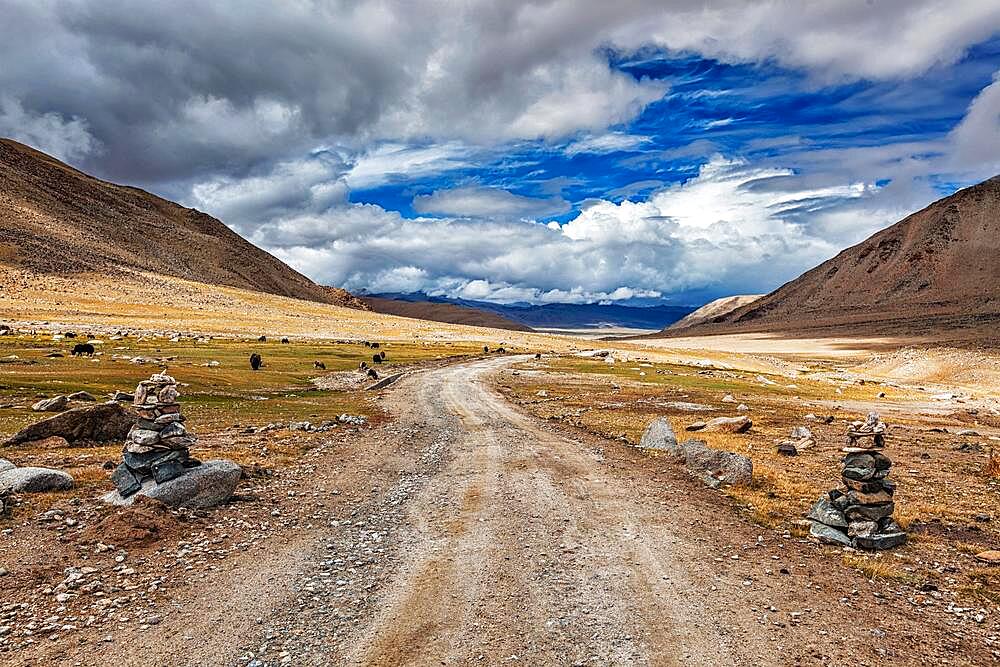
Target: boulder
x=659 y=435
x=826 y=513
x=992 y=557
x=739 y=424
x=716 y=467
x=82 y=396
x=695 y=426
x=34 y=480
x=801 y=432
x=869 y=512
x=54 y=404
x=102 y=422
x=210 y=484
x=787 y=449
x=6 y=465
x=122 y=396
x=829 y=535
x=728 y=398
x=880 y=541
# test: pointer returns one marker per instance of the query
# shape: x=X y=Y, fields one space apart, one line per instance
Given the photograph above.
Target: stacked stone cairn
x=157 y=445
x=861 y=515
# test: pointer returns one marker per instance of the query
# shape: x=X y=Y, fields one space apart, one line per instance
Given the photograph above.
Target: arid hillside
x=936 y=271
x=714 y=309
x=57 y=220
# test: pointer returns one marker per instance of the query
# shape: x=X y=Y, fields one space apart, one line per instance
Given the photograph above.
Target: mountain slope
x=938 y=270
x=441 y=312
x=714 y=309
x=579 y=316
x=57 y=220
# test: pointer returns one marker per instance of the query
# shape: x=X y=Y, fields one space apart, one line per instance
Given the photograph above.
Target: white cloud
x=390 y=162
x=976 y=140
x=483 y=202
x=52 y=133
x=606 y=143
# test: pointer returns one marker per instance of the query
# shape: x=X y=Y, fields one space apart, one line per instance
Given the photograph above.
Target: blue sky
x=531 y=150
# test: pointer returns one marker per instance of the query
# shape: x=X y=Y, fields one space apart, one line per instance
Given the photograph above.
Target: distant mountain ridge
x=55 y=219
x=562 y=315
x=934 y=273
x=442 y=312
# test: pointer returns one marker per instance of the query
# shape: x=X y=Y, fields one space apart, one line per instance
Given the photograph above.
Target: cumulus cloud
x=483 y=202
x=976 y=140
x=732 y=224
x=52 y=133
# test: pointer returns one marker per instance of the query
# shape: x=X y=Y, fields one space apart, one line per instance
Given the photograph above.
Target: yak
x=319 y=365
x=262 y=339
x=372 y=373
x=377 y=358
x=255 y=361
x=81 y=349
x=284 y=341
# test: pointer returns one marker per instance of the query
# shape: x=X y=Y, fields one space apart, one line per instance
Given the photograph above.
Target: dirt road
x=468 y=533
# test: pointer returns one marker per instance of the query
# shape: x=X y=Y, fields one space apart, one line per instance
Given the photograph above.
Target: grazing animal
x=81 y=349
x=262 y=339
x=363 y=366
x=500 y=350
x=377 y=358
x=255 y=361
x=538 y=355
x=486 y=349
x=69 y=334
x=372 y=373
x=375 y=346
x=367 y=344
x=284 y=341
x=382 y=354
x=319 y=365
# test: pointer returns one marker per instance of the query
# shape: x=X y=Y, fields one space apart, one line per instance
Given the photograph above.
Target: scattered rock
x=739 y=424
x=54 y=404
x=34 y=480
x=695 y=426
x=787 y=449
x=82 y=396
x=716 y=467
x=829 y=535
x=6 y=465
x=824 y=512
x=659 y=435
x=728 y=398
x=102 y=422
x=991 y=557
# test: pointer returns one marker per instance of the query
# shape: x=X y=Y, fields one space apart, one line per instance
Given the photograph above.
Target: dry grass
x=992 y=467
x=877 y=567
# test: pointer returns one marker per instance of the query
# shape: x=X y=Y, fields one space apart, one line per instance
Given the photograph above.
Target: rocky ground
x=462 y=530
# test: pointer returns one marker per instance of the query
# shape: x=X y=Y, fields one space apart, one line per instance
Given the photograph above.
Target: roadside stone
x=716 y=467
x=659 y=435
x=207 y=485
x=825 y=512
x=34 y=480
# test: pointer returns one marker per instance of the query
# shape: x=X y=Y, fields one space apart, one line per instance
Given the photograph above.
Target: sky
x=635 y=151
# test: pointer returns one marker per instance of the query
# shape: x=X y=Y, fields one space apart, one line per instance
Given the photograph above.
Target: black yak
x=377 y=358
x=284 y=341
x=538 y=355
x=255 y=361
x=70 y=334
x=500 y=350
x=486 y=349
x=372 y=373
x=382 y=354
x=375 y=346
x=81 y=349
x=363 y=365
x=262 y=339
x=319 y=365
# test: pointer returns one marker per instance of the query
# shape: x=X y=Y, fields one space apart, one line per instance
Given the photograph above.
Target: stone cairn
x=861 y=515
x=157 y=445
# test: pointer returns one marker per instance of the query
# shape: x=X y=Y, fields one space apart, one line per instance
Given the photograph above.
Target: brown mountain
x=935 y=272
x=55 y=219
x=442 y=312
x=714 y=309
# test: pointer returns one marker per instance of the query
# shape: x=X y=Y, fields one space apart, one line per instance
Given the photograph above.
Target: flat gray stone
x=34 y=480
x=54 y=404
x=6 y=465
x=659 y=435
x=716 y=467
x=210 y=484
x=829 y=535
x=102 y=422
x=824 y=512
